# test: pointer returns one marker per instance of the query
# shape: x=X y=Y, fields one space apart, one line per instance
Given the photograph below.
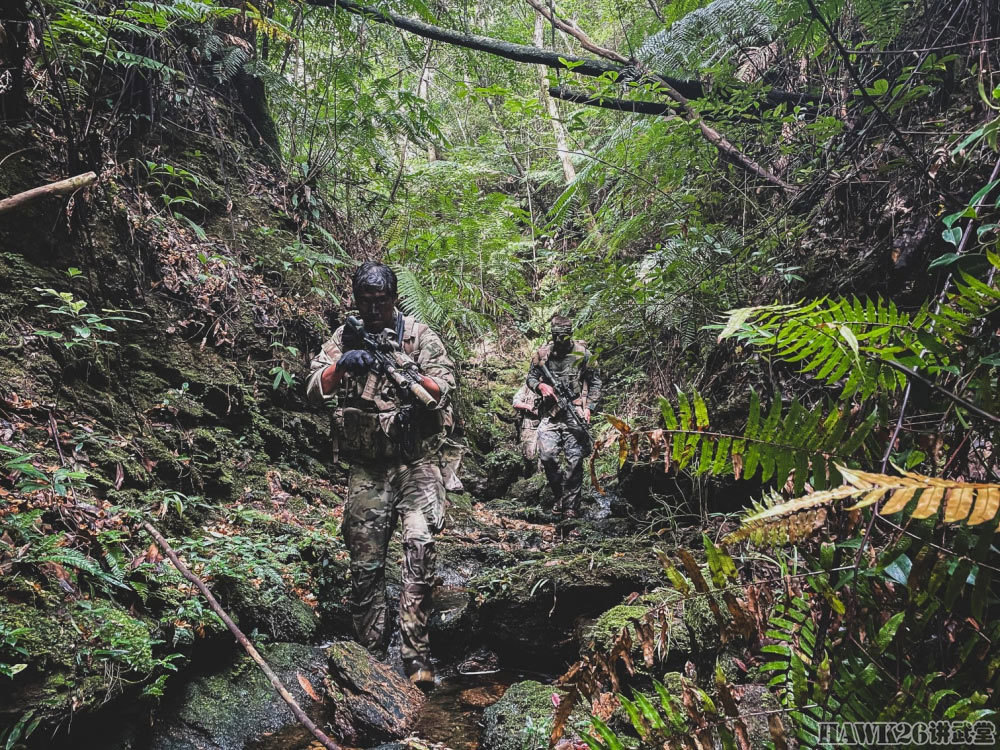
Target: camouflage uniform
x=554 y=434
x=385 y=485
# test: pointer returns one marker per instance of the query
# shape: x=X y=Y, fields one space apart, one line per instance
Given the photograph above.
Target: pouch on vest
x=360 y=436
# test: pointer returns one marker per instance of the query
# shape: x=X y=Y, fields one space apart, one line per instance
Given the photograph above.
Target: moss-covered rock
x=692 y=630
x=75 y=654
x=528 y=611
x=268 y=608
x=522 y=719
x=230 y=709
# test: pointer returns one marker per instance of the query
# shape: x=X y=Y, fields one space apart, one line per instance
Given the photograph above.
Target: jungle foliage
x=801 y=256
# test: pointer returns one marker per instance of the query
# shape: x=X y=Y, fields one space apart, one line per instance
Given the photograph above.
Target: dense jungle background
x=775 y=224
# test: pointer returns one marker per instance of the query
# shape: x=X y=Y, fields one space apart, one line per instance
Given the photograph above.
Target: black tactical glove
x=356 y=362
x=350 y=340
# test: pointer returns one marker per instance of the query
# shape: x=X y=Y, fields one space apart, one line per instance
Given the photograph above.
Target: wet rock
x=529 y=611
x=237 y=707
x=533 y=490
x=480 y=697
x=373 y=702
x=451 y=622
x=522 y=719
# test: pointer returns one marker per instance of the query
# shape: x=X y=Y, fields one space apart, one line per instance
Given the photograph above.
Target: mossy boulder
x=231 y=709
x=529 y=610
x=75 y=654
x=267 y=606
x=371 y=702
x=501 y=467
x=533 y=490
x=692 y=630
x=522 y=719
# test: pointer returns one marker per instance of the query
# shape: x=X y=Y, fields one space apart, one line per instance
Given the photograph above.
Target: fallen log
x=62 y=187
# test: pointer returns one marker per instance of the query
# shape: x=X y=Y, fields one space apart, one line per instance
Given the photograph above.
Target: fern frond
x=971 y=502
x=708 y=35
x=798 y=442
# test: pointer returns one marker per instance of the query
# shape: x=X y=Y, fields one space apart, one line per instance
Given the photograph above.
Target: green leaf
x=852 y=340
x=649 y=711
x=570 y=64
x=952 y=236
x=888 y=631
x=948 y=258
x=720 y=565
x=610 y=740
x=736 y=320
x=700 y=411
x=993 y=360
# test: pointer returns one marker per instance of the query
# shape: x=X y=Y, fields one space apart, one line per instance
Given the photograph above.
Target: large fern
x=797 y=440
x=709 y=35
x=867 y=345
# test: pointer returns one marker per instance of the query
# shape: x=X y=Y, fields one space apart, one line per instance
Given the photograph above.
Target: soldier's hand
x=356 y=362
x=586 y=415
x=350 y=340
x=547 y=391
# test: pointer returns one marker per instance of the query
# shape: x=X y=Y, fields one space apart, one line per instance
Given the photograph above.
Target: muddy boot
x=420 y=672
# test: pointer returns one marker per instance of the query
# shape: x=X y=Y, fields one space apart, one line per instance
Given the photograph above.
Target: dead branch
x=62 y=187
x=244 y=641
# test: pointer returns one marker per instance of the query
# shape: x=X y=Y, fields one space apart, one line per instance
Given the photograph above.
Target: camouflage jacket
x=365 y=409
x=572 y=370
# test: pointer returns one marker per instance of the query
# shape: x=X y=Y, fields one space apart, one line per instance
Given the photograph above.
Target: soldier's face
x=376 y=308
x=561 y=341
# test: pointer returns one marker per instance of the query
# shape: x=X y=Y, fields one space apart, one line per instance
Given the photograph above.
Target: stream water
x=451 y=716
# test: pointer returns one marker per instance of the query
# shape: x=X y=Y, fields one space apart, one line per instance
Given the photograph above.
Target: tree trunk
x=569 y=172
x=423 y=91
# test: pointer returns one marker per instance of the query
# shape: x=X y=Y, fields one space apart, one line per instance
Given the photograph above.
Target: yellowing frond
x=973 y=503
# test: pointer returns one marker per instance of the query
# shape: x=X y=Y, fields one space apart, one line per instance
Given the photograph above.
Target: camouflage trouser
x=555 y=438
x=376 y=497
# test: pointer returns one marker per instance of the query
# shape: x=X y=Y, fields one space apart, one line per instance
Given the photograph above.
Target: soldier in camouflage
x=569 y=363
x=392 y=446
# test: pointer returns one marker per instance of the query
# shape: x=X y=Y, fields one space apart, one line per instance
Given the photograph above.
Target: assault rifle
x=399 y=368
x=564 y=399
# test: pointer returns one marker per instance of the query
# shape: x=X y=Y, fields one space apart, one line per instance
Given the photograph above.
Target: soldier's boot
x=554 y=476
x=420 y=671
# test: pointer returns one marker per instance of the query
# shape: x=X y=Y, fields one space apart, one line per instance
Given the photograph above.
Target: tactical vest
x=567 y=369
x=373 y=423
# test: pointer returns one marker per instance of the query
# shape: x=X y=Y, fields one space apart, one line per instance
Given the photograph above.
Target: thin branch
x=964 y=403
x=528 y=53
x=853 y=72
